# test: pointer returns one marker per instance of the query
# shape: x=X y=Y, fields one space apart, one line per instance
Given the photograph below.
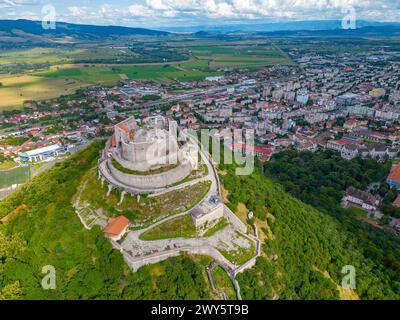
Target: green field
x=111 y=75
x=14 y=176
x=181 y=227
x=231 y=55
x=39 y=55
x=44 y=73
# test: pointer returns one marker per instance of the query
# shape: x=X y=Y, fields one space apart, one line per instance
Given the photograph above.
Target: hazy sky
x=153 y=13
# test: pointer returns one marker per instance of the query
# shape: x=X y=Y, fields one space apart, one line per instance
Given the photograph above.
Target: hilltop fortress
x=146 y=157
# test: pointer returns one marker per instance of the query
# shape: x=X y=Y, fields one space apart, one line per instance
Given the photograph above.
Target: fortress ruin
x=146 y=157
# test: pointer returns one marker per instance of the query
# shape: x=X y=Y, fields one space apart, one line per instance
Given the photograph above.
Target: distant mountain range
x=278 y=26
x=389 y=30
x=30 y=33
x=14 y=27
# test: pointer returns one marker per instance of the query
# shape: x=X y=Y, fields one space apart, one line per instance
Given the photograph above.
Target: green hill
x=309 y=248
x=302 y=260
x=43 y=229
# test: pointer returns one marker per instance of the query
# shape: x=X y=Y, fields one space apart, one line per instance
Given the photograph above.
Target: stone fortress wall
x=153 y=181
x=154 y=161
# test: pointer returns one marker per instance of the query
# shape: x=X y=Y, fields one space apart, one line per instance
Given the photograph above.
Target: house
x=362 y=199
x=379 y=151
x=396 y=202
x=350 y=124
x=337 y=144
x=394 y=177
x=261 y=152
x=117 y=227
x=349 y=151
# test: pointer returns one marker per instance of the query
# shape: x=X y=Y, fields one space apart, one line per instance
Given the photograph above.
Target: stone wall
x=234 y=220
x=139 y=165
x=153 y=181
x=135 y=263
x=215 y=214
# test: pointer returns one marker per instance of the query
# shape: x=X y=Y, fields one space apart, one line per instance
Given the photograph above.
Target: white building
x=42 y=153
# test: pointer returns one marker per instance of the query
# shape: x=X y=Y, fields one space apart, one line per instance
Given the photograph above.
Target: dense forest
x=320 y=178
x=309 y=248
x=43 y=229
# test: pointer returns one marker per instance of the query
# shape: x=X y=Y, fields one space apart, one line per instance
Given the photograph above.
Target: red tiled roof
x=263 y=150
x=113 y=141
x=123 y=128
x=395 y=173
x=116 y=225
x=343 y=142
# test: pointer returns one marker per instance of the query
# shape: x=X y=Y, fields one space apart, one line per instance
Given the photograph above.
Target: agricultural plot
x=17 y=175
x=111 y=75
x=248 y=56
x=45 y=73
x=53 y=56
x=17 y=89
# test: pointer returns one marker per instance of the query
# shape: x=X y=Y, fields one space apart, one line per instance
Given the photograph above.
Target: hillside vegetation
x=308 y=250
x=43 y=229
x=302 y=259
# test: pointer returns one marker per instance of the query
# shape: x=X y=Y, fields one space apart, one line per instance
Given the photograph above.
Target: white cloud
x=138 y=10
x=76 y=11
x=169 y=12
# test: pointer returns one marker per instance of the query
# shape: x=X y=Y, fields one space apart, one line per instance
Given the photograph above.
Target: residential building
x=362 y=199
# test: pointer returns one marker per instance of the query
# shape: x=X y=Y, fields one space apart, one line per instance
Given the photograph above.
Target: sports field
x=14 y=176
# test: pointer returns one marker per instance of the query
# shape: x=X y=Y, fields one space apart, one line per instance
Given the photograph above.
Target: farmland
x=44 y=73
x=17 y=89
x=111 y=75
x=238 y=55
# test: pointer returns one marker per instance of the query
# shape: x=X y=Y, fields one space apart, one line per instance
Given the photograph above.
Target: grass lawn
x=7 y=165
x=180 y=227
x=218 y=226
x=14 y=176
x=239 y=55
x=111 y=75
x=141 y=210
x=121 y=168
x=39 y=55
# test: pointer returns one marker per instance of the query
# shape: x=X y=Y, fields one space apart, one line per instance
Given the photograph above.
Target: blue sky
x=153 y=13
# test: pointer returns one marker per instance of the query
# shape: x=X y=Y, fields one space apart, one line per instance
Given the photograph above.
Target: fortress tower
x=146 y=157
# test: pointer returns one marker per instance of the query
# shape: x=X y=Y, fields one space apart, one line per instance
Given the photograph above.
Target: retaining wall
x=153 y=181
